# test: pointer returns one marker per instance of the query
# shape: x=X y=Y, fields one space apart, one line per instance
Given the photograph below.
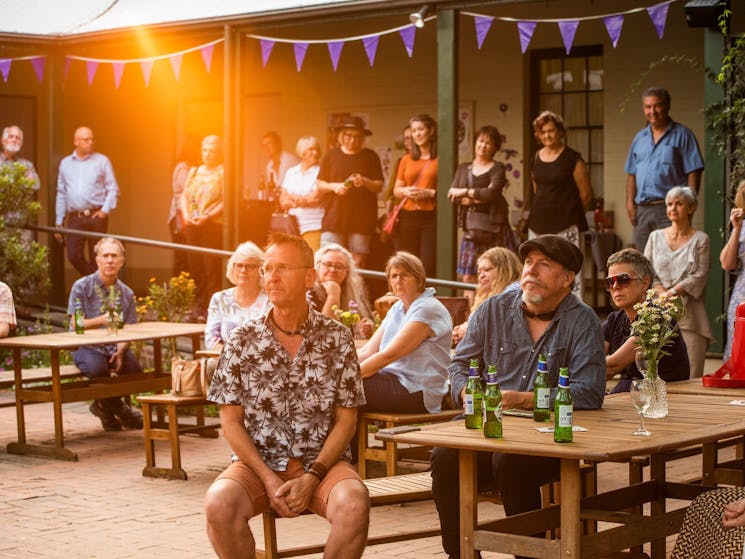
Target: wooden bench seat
x=37 y=375
x=171 y=430
x=389 y=452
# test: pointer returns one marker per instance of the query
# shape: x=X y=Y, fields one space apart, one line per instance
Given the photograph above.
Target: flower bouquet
x=655 y=327
x=111 y=306
x=348 y=318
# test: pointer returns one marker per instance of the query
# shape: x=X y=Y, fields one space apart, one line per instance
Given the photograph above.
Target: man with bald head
x=86 y=194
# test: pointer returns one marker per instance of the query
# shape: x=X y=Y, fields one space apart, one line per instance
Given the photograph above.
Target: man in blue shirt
x=510 y=331
x=86 y=194
x=662 y=155
x=103 y=360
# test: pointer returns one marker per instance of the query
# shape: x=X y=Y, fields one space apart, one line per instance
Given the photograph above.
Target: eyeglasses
x=245 y=267
x=622 y=280
x=399 y=275
x=279 y=269
x=333 y=266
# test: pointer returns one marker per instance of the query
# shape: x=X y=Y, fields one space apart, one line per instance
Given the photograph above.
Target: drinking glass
x=641 y=396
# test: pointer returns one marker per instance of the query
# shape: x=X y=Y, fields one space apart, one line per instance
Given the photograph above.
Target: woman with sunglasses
x=232 y=307
x=341 y=285
x=629 y=276
x=680 y=257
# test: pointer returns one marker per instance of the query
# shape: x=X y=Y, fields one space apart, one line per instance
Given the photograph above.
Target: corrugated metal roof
x=72 y=17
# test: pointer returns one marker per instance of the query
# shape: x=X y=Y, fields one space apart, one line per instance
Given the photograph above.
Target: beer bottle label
x=469 y=404
x=544 y=397
x=565 y=416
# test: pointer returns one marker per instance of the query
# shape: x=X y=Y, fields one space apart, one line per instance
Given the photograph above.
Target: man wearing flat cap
x=350 y=177
x=510 y=331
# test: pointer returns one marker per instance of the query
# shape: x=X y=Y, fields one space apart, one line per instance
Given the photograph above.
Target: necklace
x=542 y=316
x=298 y=332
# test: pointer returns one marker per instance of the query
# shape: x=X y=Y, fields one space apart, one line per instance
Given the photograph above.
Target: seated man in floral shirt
x=7 y=311
x=288 y=385
x=102 y=360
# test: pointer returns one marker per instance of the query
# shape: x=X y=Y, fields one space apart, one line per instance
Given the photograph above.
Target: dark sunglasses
x=621 y=279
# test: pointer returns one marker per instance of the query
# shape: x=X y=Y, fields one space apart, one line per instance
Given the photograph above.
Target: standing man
x=510 y=331
x=279 y=160
x=288 y=386
x=662 y=155
x=102 y=360
x=12 y=142
x=86 y=194
x=7 y=311
x=351 y=176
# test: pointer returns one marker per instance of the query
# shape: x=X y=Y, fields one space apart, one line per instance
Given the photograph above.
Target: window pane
x=595 y=65
x=550 y=75
x=574 y=74
x=550 y=103
x=596 y=143
x=575 y=109
x=595 y=109
x=596 y=179
x=579 y=140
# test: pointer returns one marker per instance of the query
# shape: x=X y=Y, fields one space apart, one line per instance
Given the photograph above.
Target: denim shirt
x=498 y=335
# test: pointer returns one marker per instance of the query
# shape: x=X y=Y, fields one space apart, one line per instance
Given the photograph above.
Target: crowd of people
x=290 y=378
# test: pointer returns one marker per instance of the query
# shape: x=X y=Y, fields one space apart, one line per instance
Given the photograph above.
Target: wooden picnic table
x=692 y=420
x=696 y=386
x=58 y=392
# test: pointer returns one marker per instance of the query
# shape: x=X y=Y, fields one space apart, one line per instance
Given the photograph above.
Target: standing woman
x=300 y=195
x=561 y=186
x=732 y=258
x=417 y=182
x=680 y=257
x=477 y=190
x=187 y=158
x=201 y=210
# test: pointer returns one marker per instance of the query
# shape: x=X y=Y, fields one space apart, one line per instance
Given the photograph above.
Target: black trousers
x=417 y=233
x=76 y=246
x=518 y=479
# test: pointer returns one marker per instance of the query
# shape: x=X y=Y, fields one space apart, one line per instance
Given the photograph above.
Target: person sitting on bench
x=102 y=360
x=7 y=311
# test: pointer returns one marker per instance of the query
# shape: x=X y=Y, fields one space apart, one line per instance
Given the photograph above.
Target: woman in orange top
x=417 y=182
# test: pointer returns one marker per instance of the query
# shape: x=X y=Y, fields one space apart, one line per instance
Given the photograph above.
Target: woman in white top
x=680 y=257
x=232 y=307
x=299 y=193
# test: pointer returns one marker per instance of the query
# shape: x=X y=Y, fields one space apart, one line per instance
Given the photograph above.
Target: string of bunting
x=526 y=28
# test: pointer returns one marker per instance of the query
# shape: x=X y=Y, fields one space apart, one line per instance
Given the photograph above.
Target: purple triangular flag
x=266 y=50
x=483 y=24
x=613 y=25
x=567 y=30
x=658 y=15
x=207 y=55
x=176 y=64
x=407 y=35
x=5 y=68
x=118 y=68
x=335 y=52
x=300 y=50
x=371 y=47
x=91 y=67
x=68 y=62
x=147 y=68
x=525 y=29
x=38 y=64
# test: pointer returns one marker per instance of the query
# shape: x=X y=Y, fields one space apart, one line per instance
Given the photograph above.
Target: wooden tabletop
x=692 y=420
x=696 y=386
x=129 y=333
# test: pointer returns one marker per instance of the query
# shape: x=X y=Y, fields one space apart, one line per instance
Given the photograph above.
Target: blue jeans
x=93 y=361
x=649 y=218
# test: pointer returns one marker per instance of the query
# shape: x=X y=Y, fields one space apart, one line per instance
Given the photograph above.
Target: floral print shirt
x=289 y=403
x=225 y=314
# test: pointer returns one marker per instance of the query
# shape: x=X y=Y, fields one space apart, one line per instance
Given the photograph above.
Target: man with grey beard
x=12 y=142
x=510 y=331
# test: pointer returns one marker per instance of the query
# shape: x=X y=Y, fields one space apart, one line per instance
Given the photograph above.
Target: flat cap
x=556 y=248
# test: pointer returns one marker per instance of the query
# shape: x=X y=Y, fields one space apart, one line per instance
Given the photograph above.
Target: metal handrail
x=216 y=252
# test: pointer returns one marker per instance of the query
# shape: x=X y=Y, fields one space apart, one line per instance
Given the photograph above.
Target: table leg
x=59 y=436
x=157 y=357
x=20 y=414
x=571 y=527
x=657 y=506
x=468 y=502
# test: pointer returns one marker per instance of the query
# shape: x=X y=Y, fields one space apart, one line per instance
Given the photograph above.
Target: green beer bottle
x=474 y=397
x=78 y=317
x=563 y=408
x=492 y=405
x=541 y=393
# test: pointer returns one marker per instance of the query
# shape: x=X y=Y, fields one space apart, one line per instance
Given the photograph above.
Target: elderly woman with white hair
x=341 y=285
x=680 y=256
x=299 y=195
x=231 y=307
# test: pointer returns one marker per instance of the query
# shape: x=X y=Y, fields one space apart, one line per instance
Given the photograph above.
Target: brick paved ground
x=102 y=507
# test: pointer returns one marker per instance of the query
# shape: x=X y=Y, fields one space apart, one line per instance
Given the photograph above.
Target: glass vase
x=112 y=324
x=658 y=404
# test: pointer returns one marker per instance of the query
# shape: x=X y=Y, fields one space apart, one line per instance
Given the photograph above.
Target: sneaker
x=130 y=417
x=108 y=421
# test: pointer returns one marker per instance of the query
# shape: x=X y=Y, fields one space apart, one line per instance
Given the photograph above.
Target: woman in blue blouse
x=405 y=364
x=232 y=307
